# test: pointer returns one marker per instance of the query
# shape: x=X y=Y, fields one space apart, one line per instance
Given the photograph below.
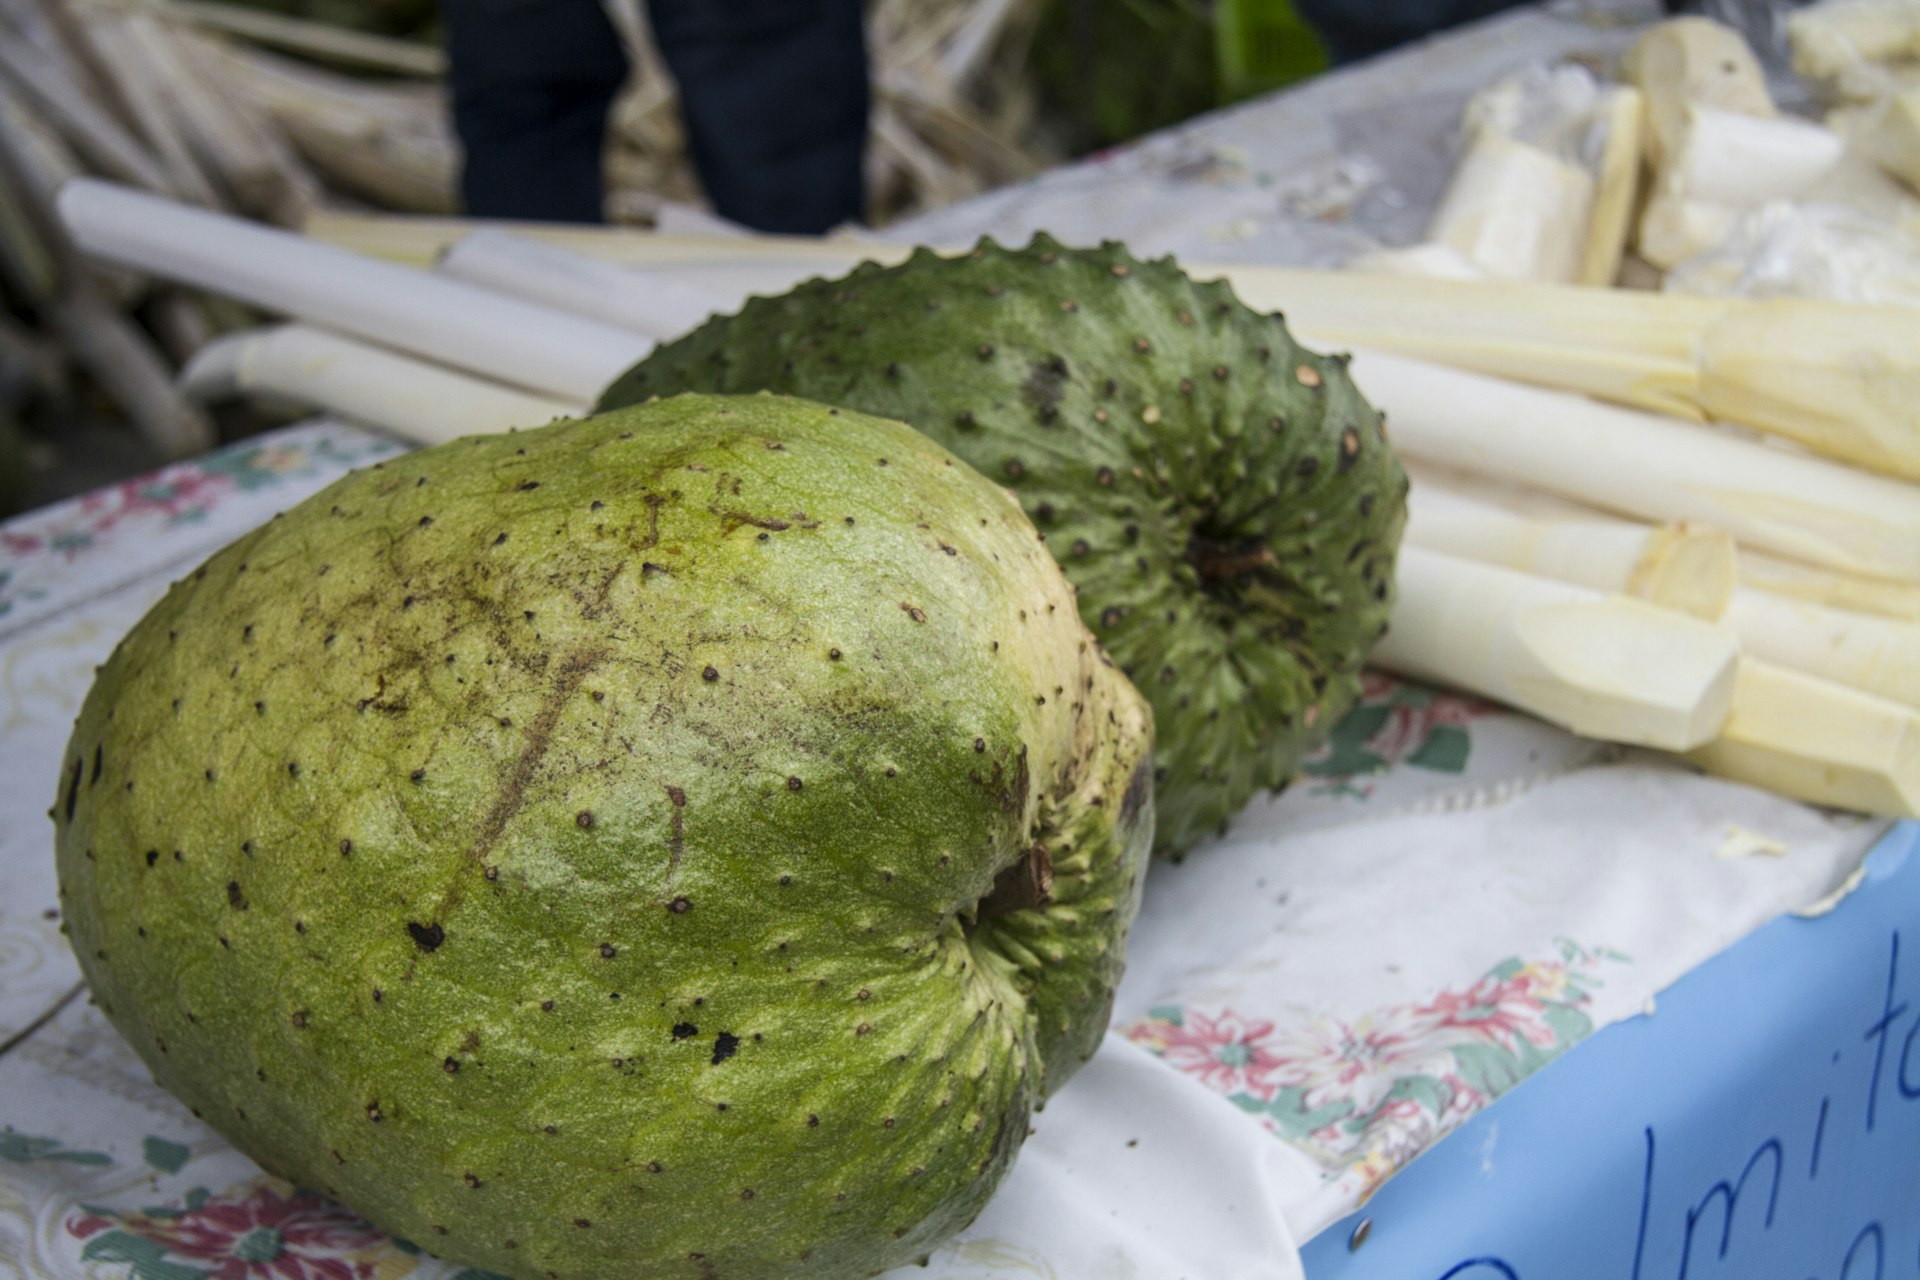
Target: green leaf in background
x=1263 y=45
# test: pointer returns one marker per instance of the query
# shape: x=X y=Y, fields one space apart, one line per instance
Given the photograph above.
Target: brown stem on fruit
x=1026 y=884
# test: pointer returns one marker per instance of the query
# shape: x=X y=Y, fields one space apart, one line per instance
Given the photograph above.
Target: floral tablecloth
x=1450 y=897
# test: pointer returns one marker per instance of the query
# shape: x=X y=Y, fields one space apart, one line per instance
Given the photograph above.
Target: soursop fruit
x=682 y=843
x=1224 y=500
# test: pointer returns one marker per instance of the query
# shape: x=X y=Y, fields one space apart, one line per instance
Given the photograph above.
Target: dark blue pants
x=774 y=95
x=1355 y=29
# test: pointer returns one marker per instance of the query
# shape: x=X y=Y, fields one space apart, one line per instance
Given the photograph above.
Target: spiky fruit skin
x=1224 y=500
x=568 y=848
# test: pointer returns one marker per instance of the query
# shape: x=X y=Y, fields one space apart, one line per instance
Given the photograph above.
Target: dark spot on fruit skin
x=471 y=1180
x=794 y=784
x=235 y=898
x=608 y=951
x=710 y=675
x=451 y=1066
x=153 y=856
x=426 y=936
x=680 y=906
x=583 y=819
x=346 y=848
x=73 y=788
x=724 y=1046
x=685 y=1031
x=1306 y=467
x=418 y=775
x=299 y=1018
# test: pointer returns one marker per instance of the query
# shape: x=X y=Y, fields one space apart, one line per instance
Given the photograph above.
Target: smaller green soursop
x=681 y=843
x=1223 y=499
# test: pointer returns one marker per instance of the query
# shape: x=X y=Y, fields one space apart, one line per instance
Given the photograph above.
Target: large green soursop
x=1223 y=499
x=681 y=843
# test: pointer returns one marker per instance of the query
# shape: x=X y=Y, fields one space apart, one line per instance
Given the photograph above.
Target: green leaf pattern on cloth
x=165 y=1155
x=18 y=1148
x=1395 y=723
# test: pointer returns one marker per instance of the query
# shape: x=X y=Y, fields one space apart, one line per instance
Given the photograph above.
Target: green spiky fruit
x=680 y=843
x=1223 y=499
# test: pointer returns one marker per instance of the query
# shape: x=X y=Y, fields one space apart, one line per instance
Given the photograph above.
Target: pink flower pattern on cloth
x=258 y=1232
x=1365 y=1095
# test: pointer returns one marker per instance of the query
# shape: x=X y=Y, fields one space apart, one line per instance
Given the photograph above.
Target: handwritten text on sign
x=1719 y=1228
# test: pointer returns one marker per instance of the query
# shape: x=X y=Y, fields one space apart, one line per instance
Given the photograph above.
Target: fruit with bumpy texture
x=1224 y=500
x=685 y=842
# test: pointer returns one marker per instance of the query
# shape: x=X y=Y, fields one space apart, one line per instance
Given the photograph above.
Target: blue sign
x=1762 y=1124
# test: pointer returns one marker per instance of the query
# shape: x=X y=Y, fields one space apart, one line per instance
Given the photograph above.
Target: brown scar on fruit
x=512 y=791
x=677 y=833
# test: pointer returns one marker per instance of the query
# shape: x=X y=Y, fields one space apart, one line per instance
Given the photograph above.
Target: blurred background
x=278 y=109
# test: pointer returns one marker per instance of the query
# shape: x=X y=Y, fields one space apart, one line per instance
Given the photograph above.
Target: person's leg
x=775 y=97
x=532 y=82
x=1355 y=29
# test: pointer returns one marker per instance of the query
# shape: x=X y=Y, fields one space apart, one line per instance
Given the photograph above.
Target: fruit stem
x=1220 y=566
x=1025 y=884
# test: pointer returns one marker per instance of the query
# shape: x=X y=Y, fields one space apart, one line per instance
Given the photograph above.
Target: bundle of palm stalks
x=272 y=114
